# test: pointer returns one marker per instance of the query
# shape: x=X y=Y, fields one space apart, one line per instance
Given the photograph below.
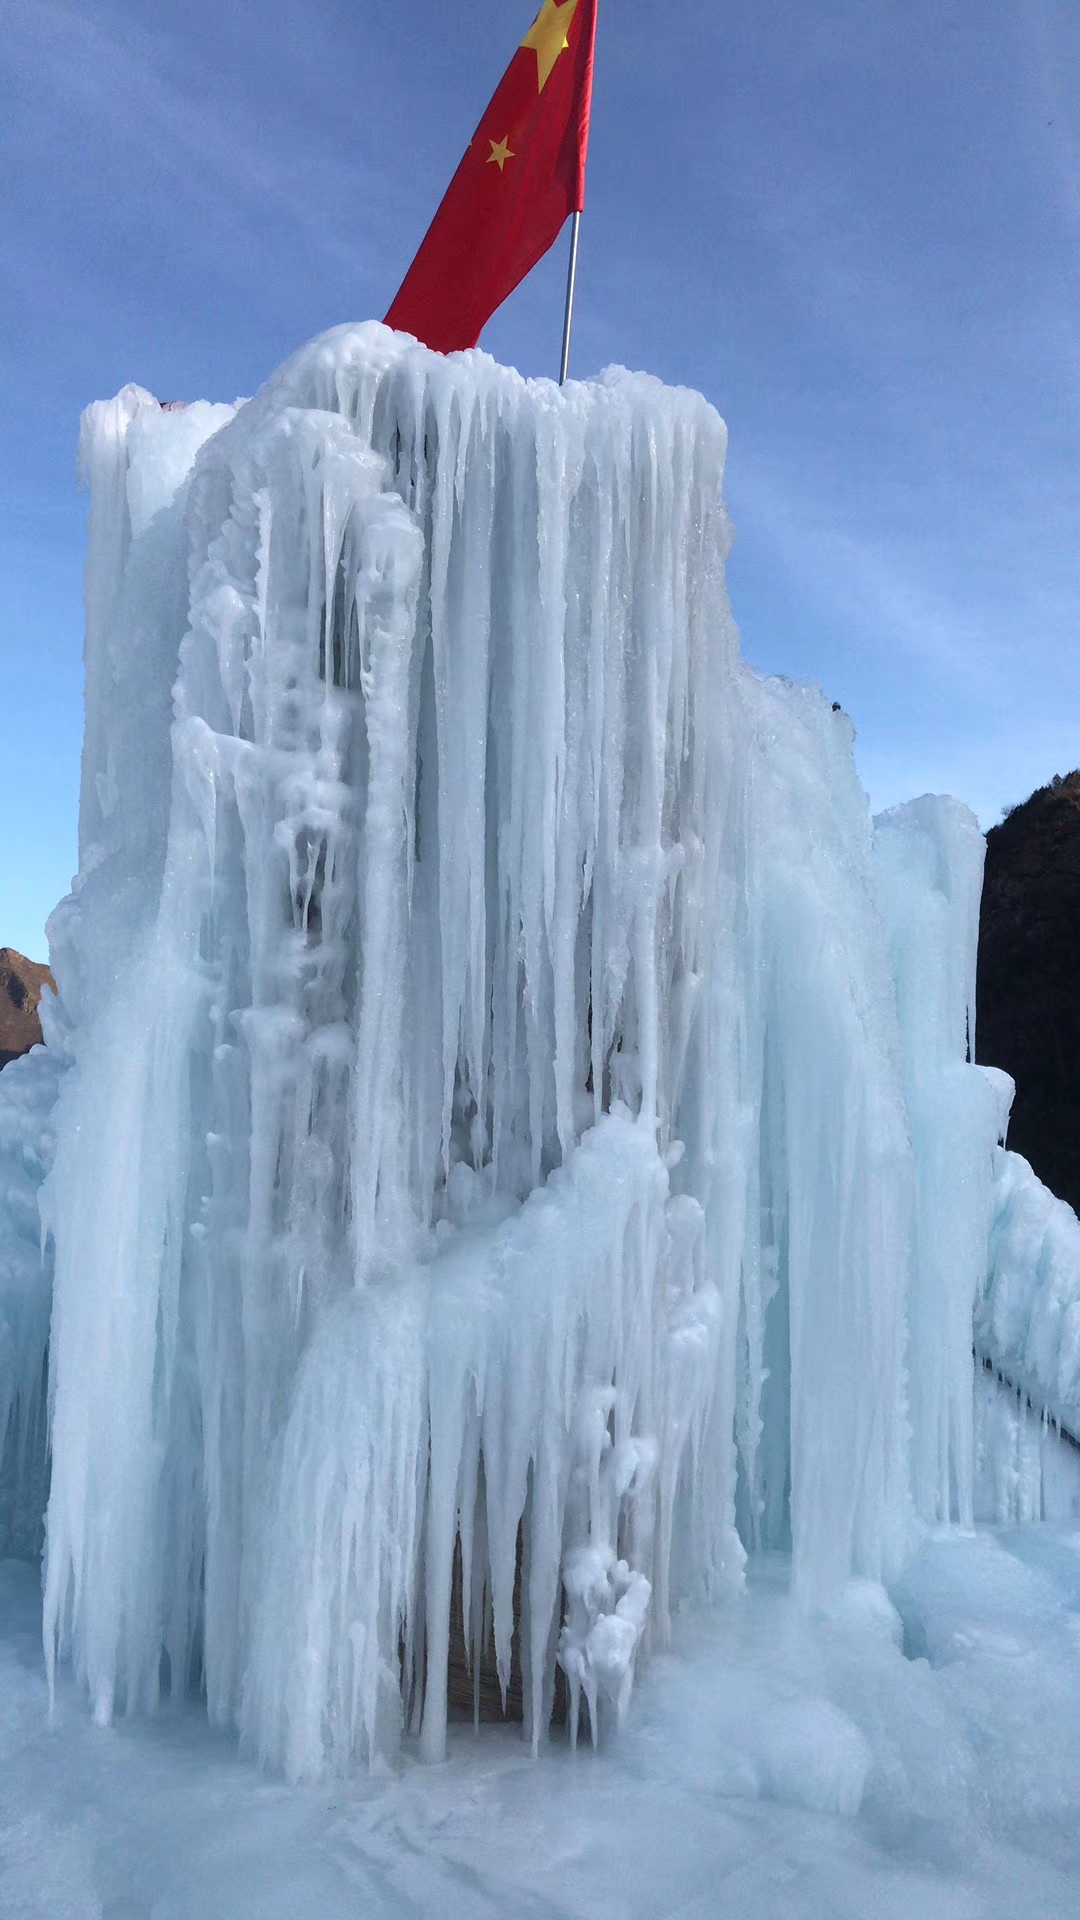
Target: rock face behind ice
x=1027 y=1319
x=21 y=982
x=1029 y=977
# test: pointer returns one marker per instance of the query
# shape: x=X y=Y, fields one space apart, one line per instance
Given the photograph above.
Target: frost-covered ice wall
x=487 y=1141
x=1026 y=1467
x=1027 y=1341
x=28 y=1090
x=1028 y=1313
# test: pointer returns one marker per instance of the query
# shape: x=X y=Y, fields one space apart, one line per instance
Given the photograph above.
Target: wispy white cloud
x=127 y=120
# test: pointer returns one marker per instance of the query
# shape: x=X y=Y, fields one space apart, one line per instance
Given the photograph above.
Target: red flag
x=523 y=173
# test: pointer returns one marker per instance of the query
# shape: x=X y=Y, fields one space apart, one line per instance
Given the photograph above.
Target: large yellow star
x=500 y=152
x=547 y=36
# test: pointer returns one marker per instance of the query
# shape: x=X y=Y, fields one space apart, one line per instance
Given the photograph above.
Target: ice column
x=447 y=651
x=930 y=860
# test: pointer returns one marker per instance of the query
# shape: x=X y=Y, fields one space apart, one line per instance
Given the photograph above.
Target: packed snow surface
x=513 y=1146
x=917 y=1759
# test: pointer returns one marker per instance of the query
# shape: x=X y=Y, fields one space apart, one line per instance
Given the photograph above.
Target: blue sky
x=853 y=224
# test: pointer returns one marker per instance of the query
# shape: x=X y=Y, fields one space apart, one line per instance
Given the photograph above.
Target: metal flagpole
x=570 y=277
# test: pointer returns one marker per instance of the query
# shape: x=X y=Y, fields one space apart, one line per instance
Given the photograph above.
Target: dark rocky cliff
x=21 y=981
x=1028 y=995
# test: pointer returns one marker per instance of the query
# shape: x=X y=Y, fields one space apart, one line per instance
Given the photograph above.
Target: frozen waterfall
x=519 y=1149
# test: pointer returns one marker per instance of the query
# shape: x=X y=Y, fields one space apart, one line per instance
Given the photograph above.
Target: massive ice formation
x=520 y=1147
x=425 y=904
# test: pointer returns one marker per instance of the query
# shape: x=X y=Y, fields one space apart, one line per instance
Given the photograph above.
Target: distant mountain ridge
x=1028 y=990
x=21 y=982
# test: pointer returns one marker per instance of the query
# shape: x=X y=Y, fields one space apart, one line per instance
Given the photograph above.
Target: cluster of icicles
x=510 y=1128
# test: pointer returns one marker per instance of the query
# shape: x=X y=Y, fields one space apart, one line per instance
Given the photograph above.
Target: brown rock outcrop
x=21 y=981
x=1028 y=993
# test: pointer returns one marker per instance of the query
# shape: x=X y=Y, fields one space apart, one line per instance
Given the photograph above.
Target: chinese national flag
x=523 y=173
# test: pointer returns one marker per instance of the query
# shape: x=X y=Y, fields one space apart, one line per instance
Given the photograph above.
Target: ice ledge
x=544 y=1375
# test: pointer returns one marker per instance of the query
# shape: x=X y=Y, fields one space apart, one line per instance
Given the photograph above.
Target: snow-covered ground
x=920 y=1765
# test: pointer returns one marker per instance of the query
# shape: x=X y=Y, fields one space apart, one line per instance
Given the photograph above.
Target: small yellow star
x=547 y=36
x=500 y=152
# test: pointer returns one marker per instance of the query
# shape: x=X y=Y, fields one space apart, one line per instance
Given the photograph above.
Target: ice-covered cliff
x=520 y=1148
